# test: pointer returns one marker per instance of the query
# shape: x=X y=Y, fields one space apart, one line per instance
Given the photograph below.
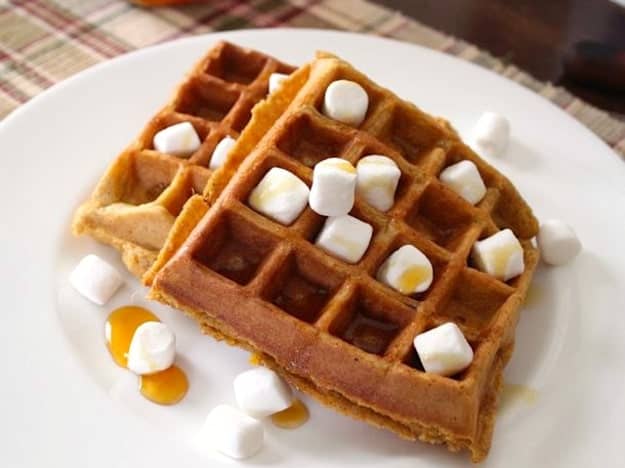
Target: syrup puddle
x=515 y=394
x=166 y=387
x=533 y=296
x=294 y=416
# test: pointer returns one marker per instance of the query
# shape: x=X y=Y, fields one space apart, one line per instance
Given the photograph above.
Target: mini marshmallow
x=221 y=151
x=232 y=432
x=152 y=348
x=346 y=101
x=443 y=350
x=407 y=270
x=464 y=179
x=95 y=279
x=491 y=134
x=280 y=195
x=333 y=187
x=275 y=80
x=557 y=242
x=500 y=255
x=378 y=177
x=261 y=392
x=178 y=140
x=345 y=237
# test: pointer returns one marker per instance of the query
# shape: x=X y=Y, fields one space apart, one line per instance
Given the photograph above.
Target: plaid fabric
x=45 y=41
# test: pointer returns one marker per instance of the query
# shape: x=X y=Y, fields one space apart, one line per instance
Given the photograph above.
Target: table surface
x=534 y=35
x=44 y=42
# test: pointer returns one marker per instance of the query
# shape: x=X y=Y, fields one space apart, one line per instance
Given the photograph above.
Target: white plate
x=64 y=403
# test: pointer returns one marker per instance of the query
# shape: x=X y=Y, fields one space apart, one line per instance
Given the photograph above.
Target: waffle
x=135 y=204
x=330 y=328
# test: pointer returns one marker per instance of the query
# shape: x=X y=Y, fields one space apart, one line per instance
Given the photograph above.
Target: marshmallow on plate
x=464 y=179
x=443 y=350
x=221 y=151
x=275 y=80
x=333 y=187
x=345 y=237
x=500 y=255
x=261 y=392
x=378 y=177
x=557 y=242
x=491 y=134
x=280 y=195
x=152 y=348
x=407 y=270
x=346 y=101
x=95 y=279
x=231 y=432
x=178 y=140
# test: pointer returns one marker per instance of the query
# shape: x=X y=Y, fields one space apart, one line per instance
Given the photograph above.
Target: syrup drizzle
x=292 y=417
x=165 y=387
x=255 y=359
x=515 y=393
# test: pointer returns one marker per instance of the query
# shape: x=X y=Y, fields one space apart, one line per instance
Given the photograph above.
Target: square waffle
x=135 y=204
x=330 y=328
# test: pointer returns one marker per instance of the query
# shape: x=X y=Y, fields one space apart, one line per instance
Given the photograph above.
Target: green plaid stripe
x=45 y=41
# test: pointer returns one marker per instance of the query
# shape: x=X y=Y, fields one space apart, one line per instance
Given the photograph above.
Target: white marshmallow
x=407 y=270
x=261 y=392
x=557 y=242
x=95 y=279
x=345 y=237
x=333 y=188
x=275 y=80
x=152 y=348
x=178 y=140
x=491 y=134
x=280 y=195
x=443 y=350
x=378 y=177
x=346 y=101
x=221 y=151
x=231 y=432
x=464 y=179
x=500 y=255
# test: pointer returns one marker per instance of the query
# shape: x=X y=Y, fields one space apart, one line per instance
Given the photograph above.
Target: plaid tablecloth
x=45 y=41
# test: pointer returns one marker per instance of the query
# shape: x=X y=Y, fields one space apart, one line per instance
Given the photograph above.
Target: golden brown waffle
x=331 y=328
x=138 y=199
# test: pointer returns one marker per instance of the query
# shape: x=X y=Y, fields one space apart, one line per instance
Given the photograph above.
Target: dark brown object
x=535 y=35
x=597 y=64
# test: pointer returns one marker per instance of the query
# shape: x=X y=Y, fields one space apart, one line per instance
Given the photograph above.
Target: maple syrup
x=292 y=417
x=236 y=261
x=268 y=192
x=255 y=359
x=515 y=393
x=412 y=277
x=165 y=387
x=370 y=334
x=501 y=258
x=533 y=296
x=302 y=299
x=120 y=328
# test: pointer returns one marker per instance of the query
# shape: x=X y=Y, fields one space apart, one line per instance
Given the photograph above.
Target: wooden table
x=535 y=35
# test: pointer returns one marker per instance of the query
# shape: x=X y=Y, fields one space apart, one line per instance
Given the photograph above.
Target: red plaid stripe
x=85 y=33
